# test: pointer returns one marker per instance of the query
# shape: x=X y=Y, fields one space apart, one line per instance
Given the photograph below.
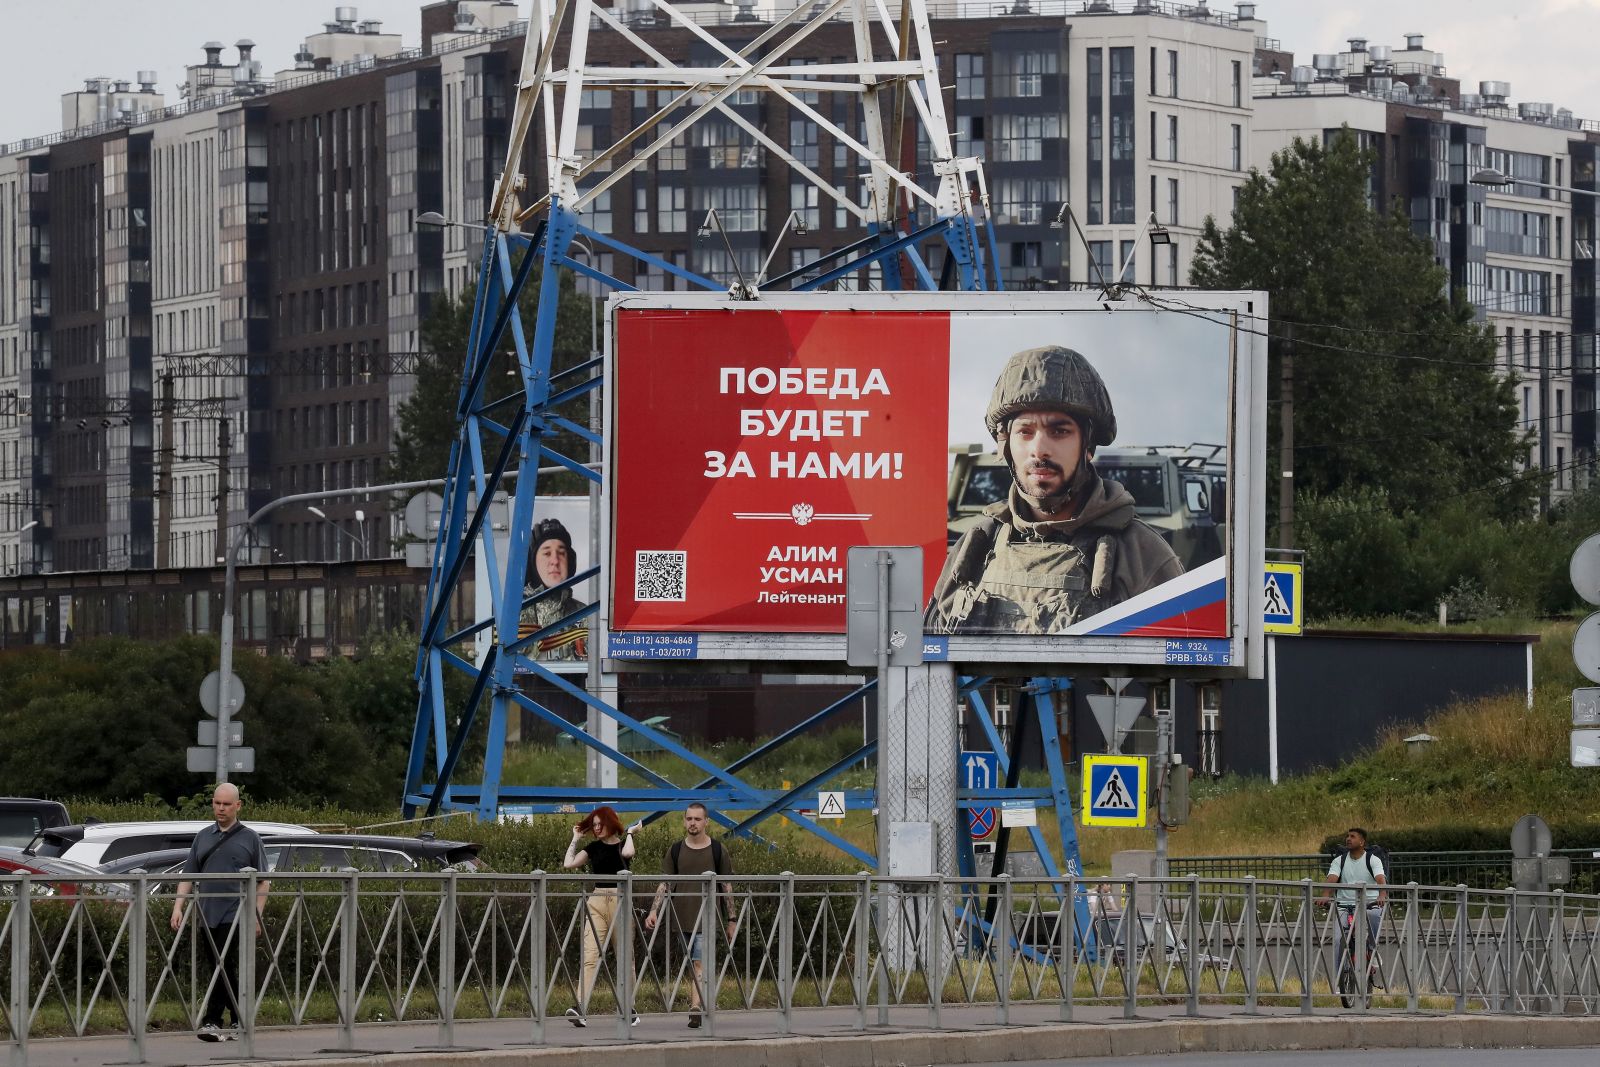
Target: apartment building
x=1513 y=250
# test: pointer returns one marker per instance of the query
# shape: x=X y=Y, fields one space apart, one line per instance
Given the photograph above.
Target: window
x=969 y=135
x=803 y=141
x=1238 y=83
x=1100 y=260
x=803 y=201
x=738 y=207
x=1172 y=138
x=672 y=214
x=1152 y=135
x=969 y=76
x=641 y=210
x=1121 y=198
x=1121 y=72
x=1096 y=210
x=1023 y=200
x=1172 y=264
x=1020 y=138
x=1172 y=201
x=1121 y=137
x=1022 y=73
x=1127 y=268
x=1172 y=73
x=1237 y=147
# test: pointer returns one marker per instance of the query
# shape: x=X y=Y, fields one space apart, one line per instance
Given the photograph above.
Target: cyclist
x=1357 y=867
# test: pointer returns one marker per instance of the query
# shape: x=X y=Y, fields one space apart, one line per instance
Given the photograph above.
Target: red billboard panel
x=752 y=449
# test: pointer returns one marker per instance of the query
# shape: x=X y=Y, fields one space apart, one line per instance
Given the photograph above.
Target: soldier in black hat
x=1065 y=542
x=551 y=561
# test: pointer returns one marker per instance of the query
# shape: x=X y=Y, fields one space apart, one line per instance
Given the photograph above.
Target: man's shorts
x=691 y=943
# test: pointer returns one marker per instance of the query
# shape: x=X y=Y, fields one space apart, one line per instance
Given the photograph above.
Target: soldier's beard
x=1050 y=503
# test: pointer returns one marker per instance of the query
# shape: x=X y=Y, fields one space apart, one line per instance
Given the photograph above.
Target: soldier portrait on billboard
x=1064 y=543
x=551 y=561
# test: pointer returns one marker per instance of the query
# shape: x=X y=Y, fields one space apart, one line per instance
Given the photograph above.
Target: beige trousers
x=601 y=908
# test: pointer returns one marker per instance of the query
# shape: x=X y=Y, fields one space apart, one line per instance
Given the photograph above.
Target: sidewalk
x=828 y=1037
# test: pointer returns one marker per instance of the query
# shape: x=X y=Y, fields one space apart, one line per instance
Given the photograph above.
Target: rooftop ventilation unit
x=1097 y=7
x=1358 y=44
x=1302 y=77
x=120 y=85
x=1413 y=42
x=147 y=81
x=304 y=59
x=1247 y=12
x=1533 y=112
x=464 y=21
x=1381 y=83
x=1471 y=101
x=1379 y=54
x=213 y=50
x=1326 y=65
x=1494 y=93
x=1564 y=118
x=346 y=18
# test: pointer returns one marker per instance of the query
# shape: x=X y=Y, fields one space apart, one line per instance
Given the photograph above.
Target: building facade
x=1513 y=250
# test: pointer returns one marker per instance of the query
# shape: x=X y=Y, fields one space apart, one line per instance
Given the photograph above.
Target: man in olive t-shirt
x=695 y=854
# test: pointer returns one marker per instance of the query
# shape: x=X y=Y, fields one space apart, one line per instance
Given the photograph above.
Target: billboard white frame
x=1241 y=653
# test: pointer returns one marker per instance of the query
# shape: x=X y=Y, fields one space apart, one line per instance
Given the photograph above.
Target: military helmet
x=1058 y=379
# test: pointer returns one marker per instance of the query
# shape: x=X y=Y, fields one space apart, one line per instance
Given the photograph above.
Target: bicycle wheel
x=1347 y=986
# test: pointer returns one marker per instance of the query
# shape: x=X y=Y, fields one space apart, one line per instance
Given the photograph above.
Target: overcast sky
x=1542 y=47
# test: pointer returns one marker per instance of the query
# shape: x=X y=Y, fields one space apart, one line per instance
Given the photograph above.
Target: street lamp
x=793 y=222
x=1494 y=179
x=434 y=220
x=742 y=290
x=1064 y=216
x=360 y=543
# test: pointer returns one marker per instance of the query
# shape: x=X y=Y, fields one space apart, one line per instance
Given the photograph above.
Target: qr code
x=660 y=575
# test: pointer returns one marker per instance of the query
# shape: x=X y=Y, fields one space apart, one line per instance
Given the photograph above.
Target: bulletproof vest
x=1033 y=587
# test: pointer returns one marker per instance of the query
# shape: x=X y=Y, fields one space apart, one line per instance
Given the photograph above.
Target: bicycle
x=1348 y=983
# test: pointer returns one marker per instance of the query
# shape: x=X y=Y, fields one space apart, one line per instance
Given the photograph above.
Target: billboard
x=1079 y=473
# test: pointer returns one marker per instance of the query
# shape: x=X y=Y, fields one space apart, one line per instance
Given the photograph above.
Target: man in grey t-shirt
x=225 y=847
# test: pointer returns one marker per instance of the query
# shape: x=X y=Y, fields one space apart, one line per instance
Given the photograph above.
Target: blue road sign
x=1282 y=612
x=980 y=821
x=981 y=770
x=1114 y=790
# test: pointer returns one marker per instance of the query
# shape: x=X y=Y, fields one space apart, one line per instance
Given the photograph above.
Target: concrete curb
x=1052 y=1042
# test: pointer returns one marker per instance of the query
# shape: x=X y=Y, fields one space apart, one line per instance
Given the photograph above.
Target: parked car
x=96 y=843
x=23 y=818
x=327 y=852
x=56 y=877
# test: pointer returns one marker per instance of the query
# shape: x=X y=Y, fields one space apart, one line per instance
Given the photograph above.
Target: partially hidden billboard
x=1078 y=472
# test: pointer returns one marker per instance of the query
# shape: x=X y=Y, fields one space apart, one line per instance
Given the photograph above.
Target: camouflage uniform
x=573 y=642
x=1012 y=574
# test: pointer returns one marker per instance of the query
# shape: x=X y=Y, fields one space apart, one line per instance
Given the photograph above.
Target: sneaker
x=575 y=1017
x=209 y=1032
x=229 y=1034
x=694 y=1020
x=634 y=1021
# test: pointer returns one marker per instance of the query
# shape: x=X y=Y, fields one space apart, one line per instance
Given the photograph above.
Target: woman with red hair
x=607 y=854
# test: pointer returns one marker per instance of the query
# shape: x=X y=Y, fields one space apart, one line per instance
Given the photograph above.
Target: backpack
x=1371 y=851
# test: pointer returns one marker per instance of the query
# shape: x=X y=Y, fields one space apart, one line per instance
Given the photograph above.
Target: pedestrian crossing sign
x=1282 y=611
x=1115 y=790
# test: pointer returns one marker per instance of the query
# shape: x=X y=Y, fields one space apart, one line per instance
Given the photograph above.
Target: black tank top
x=605 y=859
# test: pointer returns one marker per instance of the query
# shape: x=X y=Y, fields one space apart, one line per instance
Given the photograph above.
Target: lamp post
x=360 y=543
x=1494 y=179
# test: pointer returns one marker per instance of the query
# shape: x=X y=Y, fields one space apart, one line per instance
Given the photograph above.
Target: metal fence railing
x=1477 y=869
x=340 y=950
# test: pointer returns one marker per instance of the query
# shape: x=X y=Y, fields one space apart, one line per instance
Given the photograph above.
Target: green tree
x=1394 y=384
x=426 y=423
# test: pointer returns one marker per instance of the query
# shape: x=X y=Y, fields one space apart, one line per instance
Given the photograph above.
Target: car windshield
x=18 y=827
